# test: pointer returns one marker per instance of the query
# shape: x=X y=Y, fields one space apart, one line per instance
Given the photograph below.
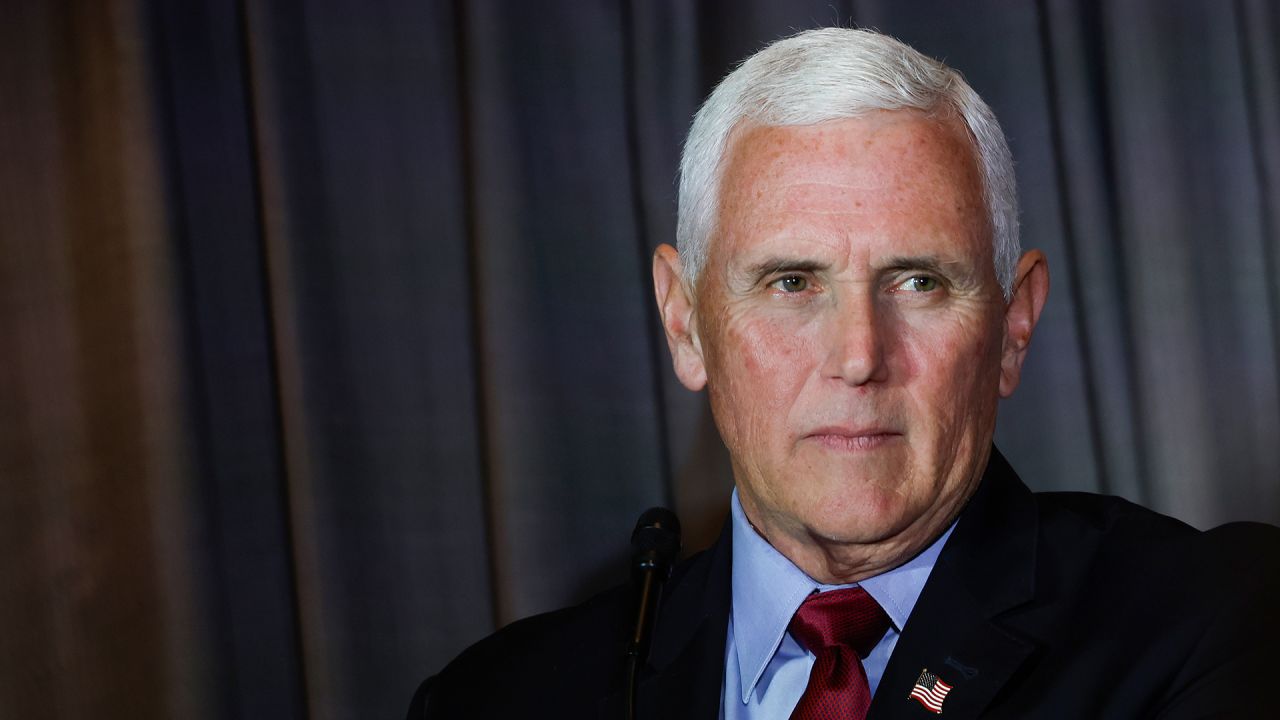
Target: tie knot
x=848 y=617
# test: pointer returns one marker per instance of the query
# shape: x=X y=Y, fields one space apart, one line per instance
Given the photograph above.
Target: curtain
x=329 y=343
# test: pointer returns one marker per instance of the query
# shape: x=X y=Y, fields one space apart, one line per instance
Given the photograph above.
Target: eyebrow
x=780 y=264
x=958 y=271
x=919 y=262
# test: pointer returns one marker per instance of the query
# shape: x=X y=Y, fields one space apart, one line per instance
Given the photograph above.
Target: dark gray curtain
x=328 y=343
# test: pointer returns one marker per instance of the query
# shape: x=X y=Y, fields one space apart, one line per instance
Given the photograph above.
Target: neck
x=834 y=561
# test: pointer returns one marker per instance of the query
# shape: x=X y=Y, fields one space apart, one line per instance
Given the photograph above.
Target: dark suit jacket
x=1054 y=605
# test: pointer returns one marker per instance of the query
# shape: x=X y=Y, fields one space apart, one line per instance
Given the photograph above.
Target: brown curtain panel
x=327 y=343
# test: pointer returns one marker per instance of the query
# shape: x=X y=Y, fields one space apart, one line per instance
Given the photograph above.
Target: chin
x=867 y=515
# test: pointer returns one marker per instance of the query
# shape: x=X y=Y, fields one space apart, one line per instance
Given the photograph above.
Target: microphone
x=654 y=544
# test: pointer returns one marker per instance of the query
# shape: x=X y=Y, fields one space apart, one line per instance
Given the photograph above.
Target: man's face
x=850 y=325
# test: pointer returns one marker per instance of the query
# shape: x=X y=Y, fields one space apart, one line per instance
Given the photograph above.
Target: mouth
x=848 y=439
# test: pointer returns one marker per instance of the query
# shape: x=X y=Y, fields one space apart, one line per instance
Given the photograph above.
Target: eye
x=920 y=283
x=791 y=284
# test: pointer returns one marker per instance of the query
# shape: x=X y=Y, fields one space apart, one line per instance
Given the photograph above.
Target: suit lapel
x=685 y=671
x=987 y=568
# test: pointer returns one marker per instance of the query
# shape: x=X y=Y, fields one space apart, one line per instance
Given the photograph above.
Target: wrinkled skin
x=851 y=334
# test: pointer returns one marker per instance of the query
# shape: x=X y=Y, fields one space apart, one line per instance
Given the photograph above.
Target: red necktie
x=839 y=627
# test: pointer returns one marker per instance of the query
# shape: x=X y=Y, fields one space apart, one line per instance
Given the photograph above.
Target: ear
x=1030 y=289
x=675 y=305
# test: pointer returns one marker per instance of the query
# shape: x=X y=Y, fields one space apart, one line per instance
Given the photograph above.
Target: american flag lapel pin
x=930 y=691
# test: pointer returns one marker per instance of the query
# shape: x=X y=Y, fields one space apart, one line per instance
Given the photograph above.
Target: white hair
x=832 y=74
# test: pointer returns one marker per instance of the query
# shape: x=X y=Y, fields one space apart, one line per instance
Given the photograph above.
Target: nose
x=856 y=342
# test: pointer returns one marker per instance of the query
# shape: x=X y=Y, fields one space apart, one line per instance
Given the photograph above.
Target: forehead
x=887 y=171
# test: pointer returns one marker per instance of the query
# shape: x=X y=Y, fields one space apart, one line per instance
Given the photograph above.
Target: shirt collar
x=768 y=589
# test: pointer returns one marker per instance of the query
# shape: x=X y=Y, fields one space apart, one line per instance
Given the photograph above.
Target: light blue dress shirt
x=765 y=669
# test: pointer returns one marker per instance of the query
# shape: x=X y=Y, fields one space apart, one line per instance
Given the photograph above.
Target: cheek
x=957 y=375
x=767 y=349
x=762 y=366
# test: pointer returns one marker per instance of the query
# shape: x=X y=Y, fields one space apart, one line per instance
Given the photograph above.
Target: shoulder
x=1131 y=613
x=1107 y=513
x=1135 y=549
x=1110 y=525
x=541 y=659
x=569 y=659
x=1192 y=610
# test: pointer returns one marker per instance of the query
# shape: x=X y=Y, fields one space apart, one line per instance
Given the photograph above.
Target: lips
x=839 y=437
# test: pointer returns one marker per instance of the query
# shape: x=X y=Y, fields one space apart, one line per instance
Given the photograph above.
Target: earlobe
x=1030 y=290
x=679 y=321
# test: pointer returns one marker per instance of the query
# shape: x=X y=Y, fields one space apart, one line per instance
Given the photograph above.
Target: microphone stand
x=654 y=544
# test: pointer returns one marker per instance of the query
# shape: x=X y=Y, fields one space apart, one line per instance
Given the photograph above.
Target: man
x=850 y=292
